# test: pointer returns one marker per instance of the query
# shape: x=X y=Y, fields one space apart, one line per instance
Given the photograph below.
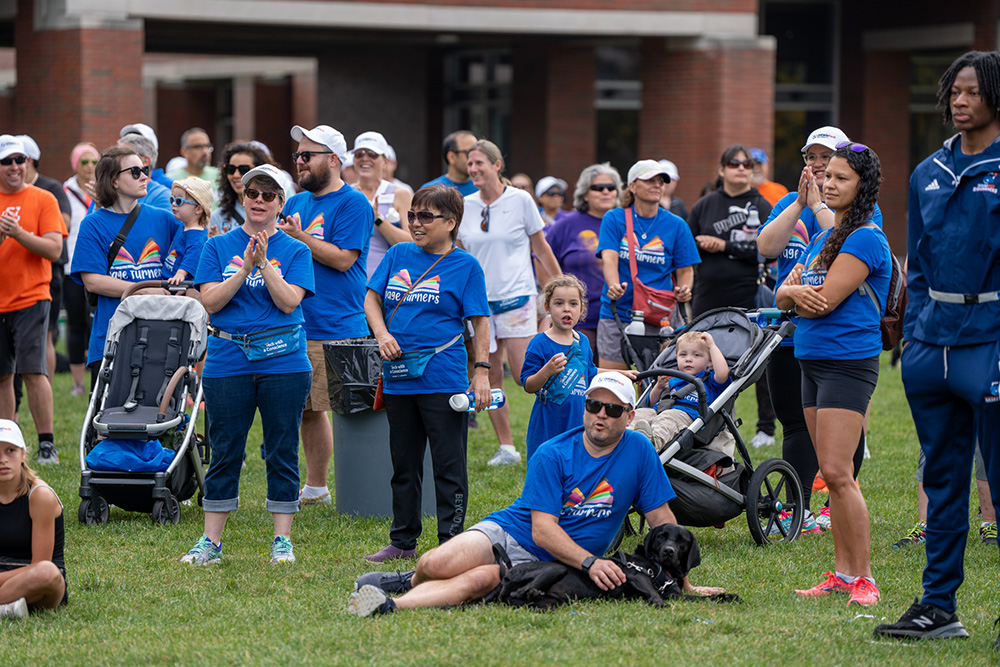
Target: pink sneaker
x=833 y=584
x=864 y=592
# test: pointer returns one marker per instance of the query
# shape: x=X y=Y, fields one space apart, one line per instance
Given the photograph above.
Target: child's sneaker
x=833 y=584
x=809 y=526
x=204 y=552
x=923 y=621
x=864 y=592
x=281 y=550
x=917 y=535
x=988 y=533
x=15 y=609
x=823 y=518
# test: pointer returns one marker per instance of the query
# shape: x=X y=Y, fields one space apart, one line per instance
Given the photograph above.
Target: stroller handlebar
x=698 y=384
x=180 y=288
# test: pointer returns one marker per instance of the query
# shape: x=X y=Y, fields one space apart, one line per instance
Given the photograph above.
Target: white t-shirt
x=505 y=250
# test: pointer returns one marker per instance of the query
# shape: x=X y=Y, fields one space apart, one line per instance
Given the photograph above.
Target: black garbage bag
x=353 y=368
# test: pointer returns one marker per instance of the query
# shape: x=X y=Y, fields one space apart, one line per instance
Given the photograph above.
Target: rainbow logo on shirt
x=254 y=279
x=427 y=290
x=315 y=228
x=148 y=266
x=168 y=263
x=150 y=253
x=651 y=252
x=598 y=504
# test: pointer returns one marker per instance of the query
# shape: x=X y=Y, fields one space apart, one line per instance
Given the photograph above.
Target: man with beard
x=336 y=222
x=197 y=149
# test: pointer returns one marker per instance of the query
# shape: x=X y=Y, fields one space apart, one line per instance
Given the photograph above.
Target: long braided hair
x=866 y=165
x=987 y=66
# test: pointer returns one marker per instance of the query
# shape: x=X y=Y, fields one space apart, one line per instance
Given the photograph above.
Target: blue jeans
x=231 y=403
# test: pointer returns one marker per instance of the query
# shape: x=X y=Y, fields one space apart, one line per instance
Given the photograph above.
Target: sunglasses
x=736 y=164
x=19 y=159
x=136 y=171
x=612 y=410
x=603 y=187
x=307 y=155
x=485 y=224
x=180 y=201
x=231 y=169
x=371 y=155
x=252 y=193
x=425 y=217
x=554 y=193
x=85 y=161
x=857 y=148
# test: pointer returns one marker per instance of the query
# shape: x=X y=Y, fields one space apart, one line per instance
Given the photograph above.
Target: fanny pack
x=560 y=386
x=266 y=344
x=411 y=365
x=507 y=305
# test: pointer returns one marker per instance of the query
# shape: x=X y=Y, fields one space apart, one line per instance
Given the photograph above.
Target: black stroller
x=146 y=377
x=706 y=497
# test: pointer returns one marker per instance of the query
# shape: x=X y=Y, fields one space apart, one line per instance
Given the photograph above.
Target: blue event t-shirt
x=689 y=402
x=668 y=245
x=185 y=253
x=432 y=313
x=548 y=419
x=140 y=258
x=465 y=189
x=252 y=309
x=590 y=496
x=345 y=219
x=851 y=330
x=806 y=227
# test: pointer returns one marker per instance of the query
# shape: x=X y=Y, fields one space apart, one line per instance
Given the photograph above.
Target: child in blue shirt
x=191 y=203
x=697 y=355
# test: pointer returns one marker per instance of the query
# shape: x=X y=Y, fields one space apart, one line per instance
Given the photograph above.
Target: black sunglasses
x=231 y=169
x=736 y=164
x=425 y=217
x=307 y=155
x=857 y=148
x=19 y=159
x=485 y=224
x=180 y=201
x=136 y=171
x=612 y=410
x=603 y=187
x=252 y=193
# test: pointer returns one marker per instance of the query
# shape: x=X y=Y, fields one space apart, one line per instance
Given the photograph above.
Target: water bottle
x=665 y=328
x=753 y=219
x=636 y=327
x=467 y=402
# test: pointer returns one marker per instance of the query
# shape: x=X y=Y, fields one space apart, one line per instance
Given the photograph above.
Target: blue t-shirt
x=432 y=313
x=345 y=219
x=548 y=419
x=465 y=189
x=668 y=245
x=851 y=331
x=689 y=402
x=590 y=496
x=252 y=309
x=140 y=258
x=185 y=253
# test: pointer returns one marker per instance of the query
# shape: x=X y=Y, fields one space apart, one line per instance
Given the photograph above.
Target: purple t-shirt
x=574 y=243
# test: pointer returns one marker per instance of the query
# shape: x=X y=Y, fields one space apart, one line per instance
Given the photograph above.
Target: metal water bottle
x=467 y=402
x=636 y=327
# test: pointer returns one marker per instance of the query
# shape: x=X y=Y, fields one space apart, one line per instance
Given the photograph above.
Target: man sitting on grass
x=577 y=491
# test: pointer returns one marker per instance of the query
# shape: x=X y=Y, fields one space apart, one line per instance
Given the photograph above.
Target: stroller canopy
x=164 y=308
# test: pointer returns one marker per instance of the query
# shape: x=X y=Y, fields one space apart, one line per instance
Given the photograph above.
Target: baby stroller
x=146 y=376
x=706 y=497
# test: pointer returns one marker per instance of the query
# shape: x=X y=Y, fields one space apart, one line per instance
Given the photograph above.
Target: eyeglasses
x=736 y=164
x=180 y=201
x=136 y=171
x=603 y=187
x=201 y=147
x=85 y=161
x=371 y=155
x=231 y=169
x=19 y=159
x=251 y=193
x=857 y=148
x=613 y=410
x=812 y=158
x=485 y=224
x=307 y=155
x=425 y=217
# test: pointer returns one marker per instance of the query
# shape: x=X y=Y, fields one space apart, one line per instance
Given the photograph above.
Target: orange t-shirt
x=25 y=275
x=772 y=191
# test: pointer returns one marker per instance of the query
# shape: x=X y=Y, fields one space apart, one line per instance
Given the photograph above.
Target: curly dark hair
x=227 y=196
x=987 y=66
x=866 y=165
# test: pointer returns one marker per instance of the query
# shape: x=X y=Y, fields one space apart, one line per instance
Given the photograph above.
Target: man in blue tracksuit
x=951 y=354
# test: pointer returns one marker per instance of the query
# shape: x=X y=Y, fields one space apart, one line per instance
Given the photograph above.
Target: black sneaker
x=394 y=583
x=369 y=601
x=996 y=644
x=47 y=454
x=923 y=621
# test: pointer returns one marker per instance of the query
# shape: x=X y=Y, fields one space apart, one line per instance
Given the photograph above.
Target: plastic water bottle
x=665 y=328
x=636 y=327
x=467 y=402
x=753 y=219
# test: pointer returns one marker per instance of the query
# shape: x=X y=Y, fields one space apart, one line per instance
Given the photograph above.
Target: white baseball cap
x=644 y=170
x=828 y=136
x=373 y=141
x=390 y=153
x=670 y=169
x=144 y=130
x=616 y=383
x=31 y=148
x=546 y=183
x=325 y=136
x=10 y=432
x=267 y=170
x=11 y=145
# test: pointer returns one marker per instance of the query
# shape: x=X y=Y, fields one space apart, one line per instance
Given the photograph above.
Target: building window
x=617 y=101
x=477 y=94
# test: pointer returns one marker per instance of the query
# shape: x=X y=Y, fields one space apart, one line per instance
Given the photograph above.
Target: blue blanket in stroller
x=130 y=456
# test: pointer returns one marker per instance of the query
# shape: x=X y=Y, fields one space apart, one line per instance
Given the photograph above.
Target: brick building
x=558 y=84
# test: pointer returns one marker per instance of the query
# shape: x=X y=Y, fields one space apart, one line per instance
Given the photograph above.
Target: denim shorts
x=231 y=403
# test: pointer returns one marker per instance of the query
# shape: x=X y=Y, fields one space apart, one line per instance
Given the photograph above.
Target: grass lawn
x=132 y=602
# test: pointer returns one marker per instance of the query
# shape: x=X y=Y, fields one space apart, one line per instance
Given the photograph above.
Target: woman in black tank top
x=32 y=569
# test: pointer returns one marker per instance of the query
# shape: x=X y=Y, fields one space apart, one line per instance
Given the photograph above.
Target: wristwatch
x=819 y=207
x=260 y=265
x=378 y=220
x=482 y=364
x=587 y=563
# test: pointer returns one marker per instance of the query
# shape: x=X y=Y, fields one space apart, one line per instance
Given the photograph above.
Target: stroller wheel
x=89 y=514
x=774 y=500
x=166 y=512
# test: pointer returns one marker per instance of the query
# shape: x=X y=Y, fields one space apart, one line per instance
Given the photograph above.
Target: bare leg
x=215 y=522
x=40 y=584
x=39 y=391
x=922 y=502
x=282 y=524
x=985 y=503
x=460 y=570
x=78 y=371
x=613 y=365
x=317 y=442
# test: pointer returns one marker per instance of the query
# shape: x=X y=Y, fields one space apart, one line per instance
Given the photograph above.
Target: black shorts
x=847 y=384
x=23 y=340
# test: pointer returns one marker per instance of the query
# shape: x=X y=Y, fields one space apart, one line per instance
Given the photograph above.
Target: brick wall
x=571 y=136
x=178 y=109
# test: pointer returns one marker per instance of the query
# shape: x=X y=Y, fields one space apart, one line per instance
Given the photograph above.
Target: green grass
x=132 y=602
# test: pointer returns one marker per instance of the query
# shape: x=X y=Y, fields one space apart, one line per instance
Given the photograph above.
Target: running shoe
x=322 y=499
x=809 y=525
x=204 y=552
x=281 y=550
x=923 y=621
x=864 y=592
x=391 y=553
x=369 y=601
x=988 y=533
x=762 y=440
x=394 y=583
x=505 y=457
x=819 y=484
x=823 y=518
x=16 y=609
x=917 y=535
x=47 y=454
x=833 y=584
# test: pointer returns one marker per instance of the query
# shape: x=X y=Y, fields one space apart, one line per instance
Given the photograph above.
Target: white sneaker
x=16 y=609
x=762 y=440
x=505 y=457
x=322 y=499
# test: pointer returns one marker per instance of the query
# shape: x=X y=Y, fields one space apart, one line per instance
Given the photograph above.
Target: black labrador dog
x=655 y=573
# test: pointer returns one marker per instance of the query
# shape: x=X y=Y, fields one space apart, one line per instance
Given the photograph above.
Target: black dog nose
x=670 y=550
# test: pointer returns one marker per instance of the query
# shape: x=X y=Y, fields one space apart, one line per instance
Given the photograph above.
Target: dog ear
x=694 y=555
